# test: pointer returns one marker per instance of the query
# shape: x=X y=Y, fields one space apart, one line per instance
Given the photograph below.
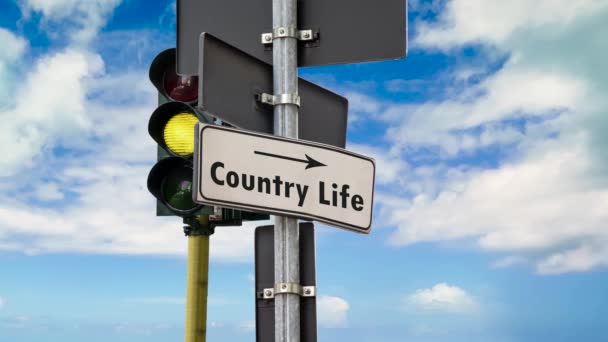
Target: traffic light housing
x=172 y=126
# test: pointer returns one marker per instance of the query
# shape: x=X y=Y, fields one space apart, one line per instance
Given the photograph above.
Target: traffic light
x=172 y=125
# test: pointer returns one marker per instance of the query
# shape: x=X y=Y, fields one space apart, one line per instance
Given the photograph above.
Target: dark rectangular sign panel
x=230 y=80
x=264 y=279
x=349 y=31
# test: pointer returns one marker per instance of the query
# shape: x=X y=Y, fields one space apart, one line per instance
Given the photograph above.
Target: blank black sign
x=350 y=31
x=264 y=279
x=230 y=79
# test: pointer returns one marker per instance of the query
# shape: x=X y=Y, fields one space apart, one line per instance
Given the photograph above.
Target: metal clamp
x=216 y=215
x=288 y=32
x=273 y=100
x=284 y=288
x=196 y=226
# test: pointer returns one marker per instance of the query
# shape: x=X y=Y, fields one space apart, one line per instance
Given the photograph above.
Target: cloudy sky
x=491 y=191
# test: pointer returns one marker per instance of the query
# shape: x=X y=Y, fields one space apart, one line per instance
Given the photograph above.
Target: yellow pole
x=197 y=286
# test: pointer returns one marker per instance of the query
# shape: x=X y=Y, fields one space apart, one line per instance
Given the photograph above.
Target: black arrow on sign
x=309 y=161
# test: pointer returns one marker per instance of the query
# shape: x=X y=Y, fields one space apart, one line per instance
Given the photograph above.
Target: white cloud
x=512 y=93
x=99 y=122
x=545 y=198
x=84 y=17
x=127 y=227
x=408 y=86
x=169 y=15
x=536 y=203
x=388 y=168
x=46 y=113
x=498 y=21
x=361 y=106
x=442 y=298
x=1 y=303
x=509 y=261
x=13 y=46
x=48 y=192
x=13 y=49
x=107 y=182
x=332 y=311
x=581 y=259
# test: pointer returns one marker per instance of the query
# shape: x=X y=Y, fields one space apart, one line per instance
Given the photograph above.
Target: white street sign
x=265 y=173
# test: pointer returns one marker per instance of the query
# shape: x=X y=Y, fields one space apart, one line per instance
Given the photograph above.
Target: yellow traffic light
x=179 y=134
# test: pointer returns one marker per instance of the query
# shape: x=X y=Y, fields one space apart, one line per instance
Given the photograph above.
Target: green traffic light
x=177 y=189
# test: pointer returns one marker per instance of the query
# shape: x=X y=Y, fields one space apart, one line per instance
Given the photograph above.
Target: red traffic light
x=182 y=88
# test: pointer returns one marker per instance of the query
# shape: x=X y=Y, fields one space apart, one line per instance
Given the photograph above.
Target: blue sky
x=491 y=197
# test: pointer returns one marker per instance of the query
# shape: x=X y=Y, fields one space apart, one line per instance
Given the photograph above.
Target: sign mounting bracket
x=284 y=288
x=289 y=32
x=274 y=100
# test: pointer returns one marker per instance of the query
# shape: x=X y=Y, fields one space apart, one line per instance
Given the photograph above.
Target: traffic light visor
x=170 y=181
x=172 y=127
x=175 y=87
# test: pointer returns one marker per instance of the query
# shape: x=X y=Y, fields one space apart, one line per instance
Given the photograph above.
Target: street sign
x=349 y=31
x=282 y=176
x=231 y=83
x=264 y=279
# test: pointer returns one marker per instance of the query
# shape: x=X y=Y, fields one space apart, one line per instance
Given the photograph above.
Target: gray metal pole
x=286 y=234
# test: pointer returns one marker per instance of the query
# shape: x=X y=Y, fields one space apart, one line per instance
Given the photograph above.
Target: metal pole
x=197 y=285
x=286 y=234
